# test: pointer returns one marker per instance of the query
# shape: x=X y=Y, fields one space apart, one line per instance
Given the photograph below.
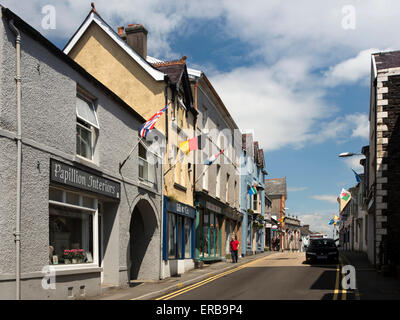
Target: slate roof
x=386 y=60
x=174 y=69
x=275 y=187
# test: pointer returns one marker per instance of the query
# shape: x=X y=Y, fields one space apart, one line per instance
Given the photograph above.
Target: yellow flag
x=184 y=146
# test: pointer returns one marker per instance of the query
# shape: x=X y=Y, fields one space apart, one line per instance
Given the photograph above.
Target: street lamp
x=349 y=154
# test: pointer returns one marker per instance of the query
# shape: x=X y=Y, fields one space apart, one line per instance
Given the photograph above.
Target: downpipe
x=17 y=233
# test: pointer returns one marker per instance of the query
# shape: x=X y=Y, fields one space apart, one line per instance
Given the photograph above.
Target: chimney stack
x=136 y=37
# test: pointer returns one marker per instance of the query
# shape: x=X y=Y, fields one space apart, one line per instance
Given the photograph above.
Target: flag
x=211 y=160
x=281 y=220
x=335 y=218
x=149 y=125
x=252 y=190
x=192 y=144
x=358 y=178
x=345 y=195
x=331 y=221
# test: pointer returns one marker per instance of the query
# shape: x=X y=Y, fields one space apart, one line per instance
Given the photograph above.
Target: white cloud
x=326 y=197
x=354 y=163
x=318 y=221
x=352 y=70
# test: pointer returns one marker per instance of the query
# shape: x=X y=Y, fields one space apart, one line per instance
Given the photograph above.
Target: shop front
x=209 y=224
x=178 y=239
x=77 y=199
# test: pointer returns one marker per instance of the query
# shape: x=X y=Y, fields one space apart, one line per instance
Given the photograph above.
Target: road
x=281 y=276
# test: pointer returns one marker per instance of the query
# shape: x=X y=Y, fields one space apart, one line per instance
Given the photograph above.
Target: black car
x=322 y=250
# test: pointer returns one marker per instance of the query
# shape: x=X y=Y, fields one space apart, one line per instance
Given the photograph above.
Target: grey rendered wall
x=49 y=89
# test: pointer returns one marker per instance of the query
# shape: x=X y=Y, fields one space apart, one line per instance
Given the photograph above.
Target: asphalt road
x=282 y=276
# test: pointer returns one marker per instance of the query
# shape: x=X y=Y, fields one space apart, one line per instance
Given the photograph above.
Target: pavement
x=370 y=284
x=148 y=290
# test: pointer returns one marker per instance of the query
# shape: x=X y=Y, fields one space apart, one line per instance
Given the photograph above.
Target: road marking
x=208 y=280
x=336 y=291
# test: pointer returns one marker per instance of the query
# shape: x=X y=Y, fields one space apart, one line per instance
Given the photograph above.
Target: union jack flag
x=149 y=125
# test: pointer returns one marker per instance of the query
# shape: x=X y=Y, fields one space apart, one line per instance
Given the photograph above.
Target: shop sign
x=71 y=176
x=268 y=225
x=213 y=207
x=181 y=208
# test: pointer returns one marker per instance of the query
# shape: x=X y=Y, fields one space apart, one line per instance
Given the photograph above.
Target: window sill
x=77 y=268
x=86 y=162
x=180 y=187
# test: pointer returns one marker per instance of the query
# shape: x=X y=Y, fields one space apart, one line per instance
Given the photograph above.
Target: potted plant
x=80 y=255
x=74 y=253
x=67 y=256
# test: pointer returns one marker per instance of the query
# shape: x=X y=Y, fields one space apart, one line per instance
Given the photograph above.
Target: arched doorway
x=144 y=243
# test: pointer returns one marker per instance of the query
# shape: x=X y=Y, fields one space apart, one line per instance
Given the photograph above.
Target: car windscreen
x=322 y=243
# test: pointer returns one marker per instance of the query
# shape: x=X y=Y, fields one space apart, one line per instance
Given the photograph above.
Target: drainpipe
x=17 y=233
x=161 y=273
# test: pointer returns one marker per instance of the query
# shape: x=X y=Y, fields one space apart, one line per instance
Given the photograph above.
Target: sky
x=296 y=72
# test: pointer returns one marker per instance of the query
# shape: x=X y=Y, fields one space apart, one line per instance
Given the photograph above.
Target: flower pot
x=67 y=261
x=74 y=261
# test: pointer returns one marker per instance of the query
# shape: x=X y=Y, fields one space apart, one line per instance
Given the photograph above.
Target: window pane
x=171 y=236
x=188 y=238
x=212 y=234
x=73 y=198
x=56 y=195
x=83 y=142
x=205 y=235
x=179 y=237
x=70 y=229
x=142 y=151
x=143 y=169
x=88 y=202
x=85 y=111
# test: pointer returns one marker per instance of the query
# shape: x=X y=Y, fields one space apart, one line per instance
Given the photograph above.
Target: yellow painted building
x=119 y=61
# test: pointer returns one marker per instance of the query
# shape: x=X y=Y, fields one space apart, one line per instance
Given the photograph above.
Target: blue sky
x=296 y=72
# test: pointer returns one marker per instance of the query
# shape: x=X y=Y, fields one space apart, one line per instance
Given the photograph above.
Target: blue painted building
x=252 y=204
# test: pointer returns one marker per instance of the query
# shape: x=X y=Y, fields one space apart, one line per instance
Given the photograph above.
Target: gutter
x=17 y=233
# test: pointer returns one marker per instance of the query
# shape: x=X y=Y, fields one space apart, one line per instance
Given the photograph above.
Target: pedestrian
x=273 y=243
x=234 y=248
x=291 y=243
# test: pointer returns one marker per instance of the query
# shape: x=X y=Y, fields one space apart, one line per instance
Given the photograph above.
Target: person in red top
x=234 y=248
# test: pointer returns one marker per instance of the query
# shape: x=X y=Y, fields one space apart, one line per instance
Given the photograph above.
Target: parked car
x=322 y=250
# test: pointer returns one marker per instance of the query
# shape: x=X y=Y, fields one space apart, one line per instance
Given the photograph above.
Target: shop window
x=171 y=236
x=71 y=227
x=86 y=128
x=179 y=236
x=188 y=238
x=70 y=235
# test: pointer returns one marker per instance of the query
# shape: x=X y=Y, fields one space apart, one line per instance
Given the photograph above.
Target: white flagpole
x=130 y=153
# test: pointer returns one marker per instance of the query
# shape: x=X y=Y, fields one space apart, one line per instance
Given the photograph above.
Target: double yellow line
x=337 y=283
x=208 y=280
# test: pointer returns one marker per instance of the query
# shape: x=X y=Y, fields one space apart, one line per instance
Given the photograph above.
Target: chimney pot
x=120 y=30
